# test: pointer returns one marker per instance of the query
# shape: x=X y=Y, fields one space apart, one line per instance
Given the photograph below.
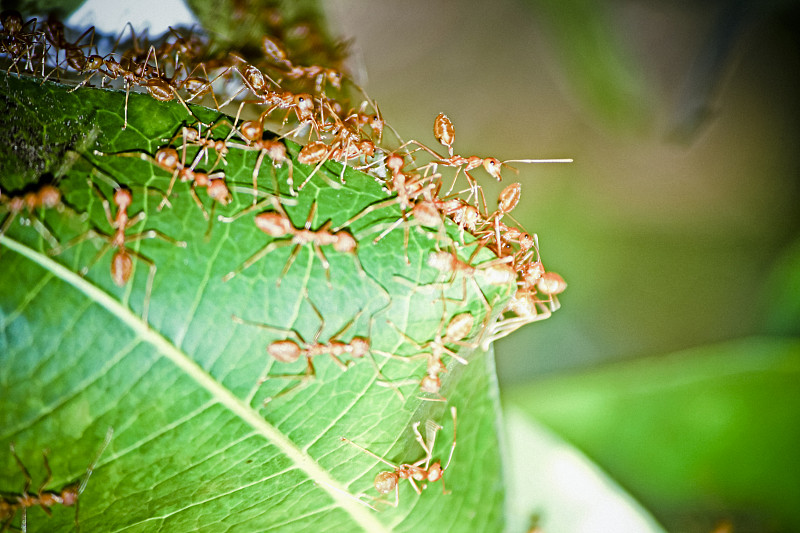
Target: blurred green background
x=674 y=362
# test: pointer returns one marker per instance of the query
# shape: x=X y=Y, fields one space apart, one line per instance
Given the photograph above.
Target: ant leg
x=254 y=258
x=150 y=277
x=290 y=261
x=282 y=331
x=196 y=198
x=303 y=381
x=48 y=476
x=24 y=470
x=153 y=234
x=172 y=180
x=246 y=210
x=260 y=159
x=379 y=458
x=453 y=447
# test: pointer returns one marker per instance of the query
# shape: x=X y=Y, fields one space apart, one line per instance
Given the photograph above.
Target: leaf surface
x=195 y=447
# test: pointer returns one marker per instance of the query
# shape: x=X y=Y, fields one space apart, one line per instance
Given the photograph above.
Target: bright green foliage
x=705 y=433
x=194 y=447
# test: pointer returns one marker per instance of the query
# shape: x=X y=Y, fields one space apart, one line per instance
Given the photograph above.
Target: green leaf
x=698 y=436
x=194 y=446
x=555 y=486
x=57 y=8
x=782 y=293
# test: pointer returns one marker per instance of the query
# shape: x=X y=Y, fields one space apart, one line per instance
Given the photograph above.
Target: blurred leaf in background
x=698 y=436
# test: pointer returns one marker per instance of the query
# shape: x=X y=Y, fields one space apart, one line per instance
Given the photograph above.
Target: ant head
x=277 y=152
x=385 y=482
x=16 y=204
x=466 y=216
x=49 y=196
x=430 y=384
x=69 y=494
x=435 y=472
x=123 y=198
x=360 y=347
x=532 y=272
x=334 y=77
x=190 y=134
x=273 y=224
x=304 y=102
x=344 y=243
x=367 y=148
x=492 y=166
x=284 y=351
x=376 y=123
x=395 y=163
x=526 y=242
x=94 y=62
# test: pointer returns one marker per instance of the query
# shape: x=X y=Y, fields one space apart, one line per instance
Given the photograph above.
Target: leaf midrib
x=359 y=512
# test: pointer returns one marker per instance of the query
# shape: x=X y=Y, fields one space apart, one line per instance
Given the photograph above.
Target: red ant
x=194 y=136
x=54 y=32
x=526 y=303
x=68 y=496
x=167 y=159
x=423 y=471
x=408 y=189
x=457 y=330
x=16 y=41
x=289 y=351
x=495 y=272
x=445 y=133
x=275 y=52
x=253 y=132
x=279 y=226
x=45 y=197
x=122 y=260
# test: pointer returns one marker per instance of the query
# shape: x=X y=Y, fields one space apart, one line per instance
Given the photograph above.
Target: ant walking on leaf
x=433 y=351
x=278 y=226
x=418 y=473
x=45 y=197
x=290 y=350
x=11 y=504
x=120 y=223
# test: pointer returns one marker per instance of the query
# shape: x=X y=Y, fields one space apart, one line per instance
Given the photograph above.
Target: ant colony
x=301 y=127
